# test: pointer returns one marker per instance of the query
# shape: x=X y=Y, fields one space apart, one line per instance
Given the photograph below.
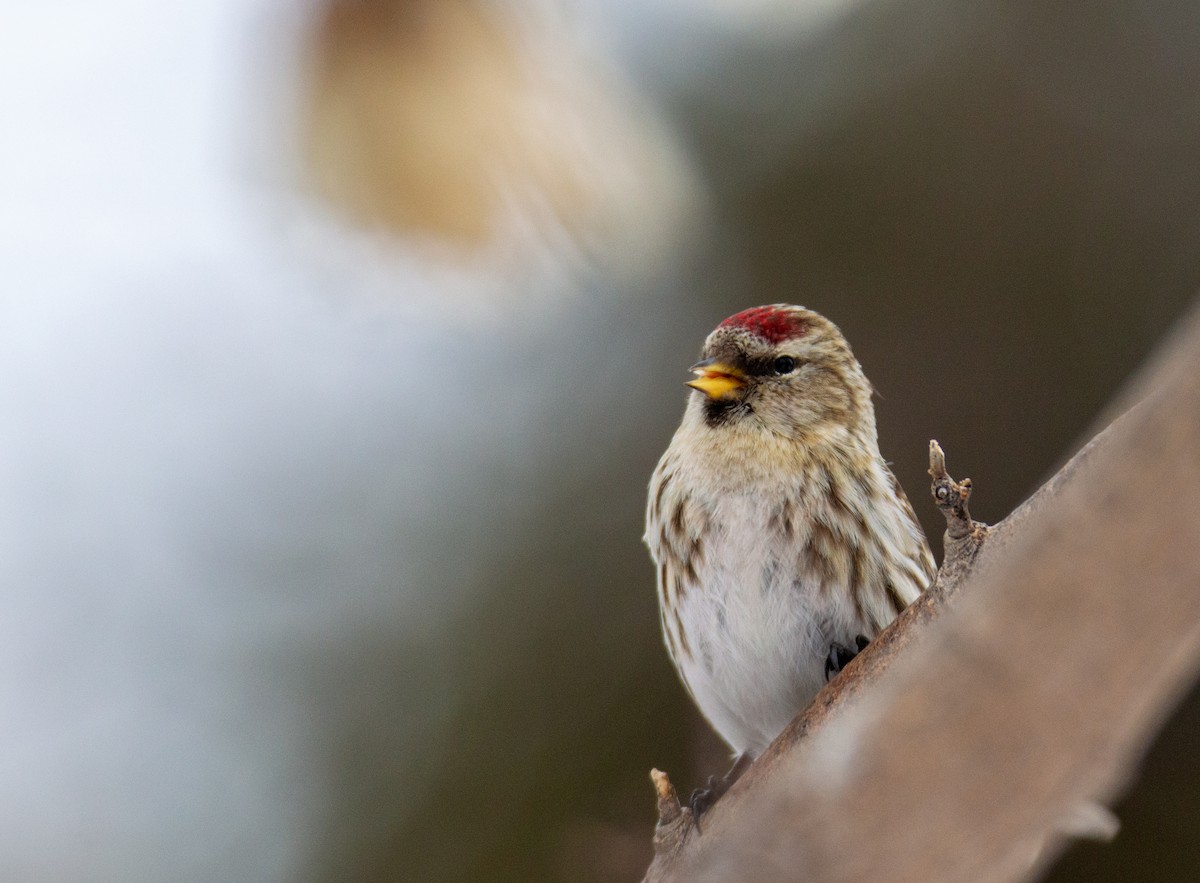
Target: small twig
x=964 y=536
x=951 y=496
x=673 y=819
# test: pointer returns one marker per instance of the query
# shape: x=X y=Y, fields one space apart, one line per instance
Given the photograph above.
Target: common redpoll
x=782 y=538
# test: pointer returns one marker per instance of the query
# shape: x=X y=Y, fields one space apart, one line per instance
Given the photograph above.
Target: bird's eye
x=785 y=365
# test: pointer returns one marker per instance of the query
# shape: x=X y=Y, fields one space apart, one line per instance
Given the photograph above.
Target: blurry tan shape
x=964 y=741
x=435 y=118
x=406 y=98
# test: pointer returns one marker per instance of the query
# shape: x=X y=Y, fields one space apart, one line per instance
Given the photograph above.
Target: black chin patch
x=722 y=412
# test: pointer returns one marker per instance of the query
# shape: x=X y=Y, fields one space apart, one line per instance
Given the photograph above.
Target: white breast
x=764 y=563
x=753 y=635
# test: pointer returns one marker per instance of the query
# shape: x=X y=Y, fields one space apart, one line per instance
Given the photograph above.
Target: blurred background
x=338 y=339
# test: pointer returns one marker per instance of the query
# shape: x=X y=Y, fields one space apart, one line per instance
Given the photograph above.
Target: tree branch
x=1025 y=683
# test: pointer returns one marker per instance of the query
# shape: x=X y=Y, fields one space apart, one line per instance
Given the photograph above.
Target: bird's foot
x=702 y=799
x=840 y=655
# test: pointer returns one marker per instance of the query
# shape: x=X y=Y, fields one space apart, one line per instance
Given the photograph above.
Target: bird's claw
x=702 y=799
x=840 y=655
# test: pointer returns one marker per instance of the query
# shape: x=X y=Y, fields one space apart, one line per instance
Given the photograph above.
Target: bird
x=782 y=540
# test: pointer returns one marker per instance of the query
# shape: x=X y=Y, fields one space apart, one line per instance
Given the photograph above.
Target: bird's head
x=781 y=369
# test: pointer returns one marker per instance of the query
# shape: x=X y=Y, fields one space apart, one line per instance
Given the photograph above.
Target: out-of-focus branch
x=1023 y=685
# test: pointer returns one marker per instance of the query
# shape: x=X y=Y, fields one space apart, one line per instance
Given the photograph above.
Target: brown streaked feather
x=858 y=581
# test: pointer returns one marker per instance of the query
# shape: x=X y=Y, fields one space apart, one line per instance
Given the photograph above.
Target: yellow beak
x=716 y=379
